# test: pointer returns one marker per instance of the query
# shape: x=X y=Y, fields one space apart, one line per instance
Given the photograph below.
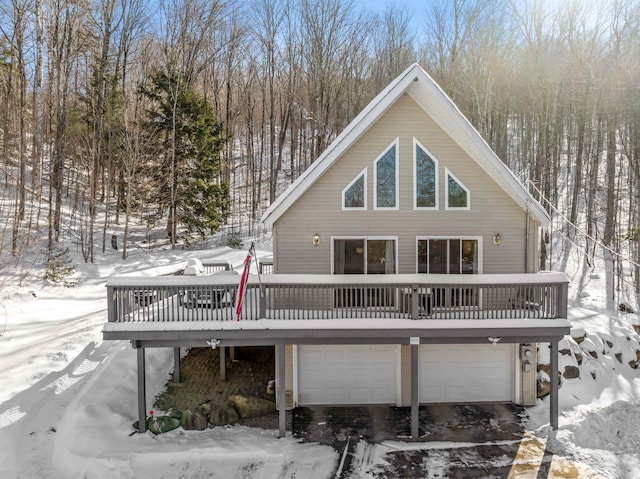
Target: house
x=404 y=272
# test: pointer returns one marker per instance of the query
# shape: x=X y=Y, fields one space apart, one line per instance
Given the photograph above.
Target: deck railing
x=300 y=297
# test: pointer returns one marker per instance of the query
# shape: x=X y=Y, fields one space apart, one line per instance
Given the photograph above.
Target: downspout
x=526 y=240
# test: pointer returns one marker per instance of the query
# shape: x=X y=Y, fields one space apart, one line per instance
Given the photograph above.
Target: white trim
x=435 y=102
x=453 y=237
x=398 y=375
x=447 y=174
x=356 y=208
x=295 y=392
x=517 y=382
x=395 y=143
x=416 y=143
x=365 y=238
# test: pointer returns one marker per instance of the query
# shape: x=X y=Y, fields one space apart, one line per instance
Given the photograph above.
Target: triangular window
x=354 y=196
x=385 y=169
x=458 y=196
x=425 y=168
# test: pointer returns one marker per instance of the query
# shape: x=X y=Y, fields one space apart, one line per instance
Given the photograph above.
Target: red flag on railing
x=244 y=279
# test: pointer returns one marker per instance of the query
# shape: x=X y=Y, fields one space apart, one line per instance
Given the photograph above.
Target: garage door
x=466 y=373
x=347 y=375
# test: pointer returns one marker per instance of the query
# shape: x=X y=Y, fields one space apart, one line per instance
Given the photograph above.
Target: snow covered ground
x=68 y=399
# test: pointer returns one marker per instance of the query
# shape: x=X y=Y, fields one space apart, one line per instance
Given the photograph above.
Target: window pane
x=470 y=257
x=386 y=180
x=422 y=256
x=381 y=256
x=457 y=194
x=438 y=256
x=354 y=196
x=454 y=256
x=425 y=180
x=348 y=256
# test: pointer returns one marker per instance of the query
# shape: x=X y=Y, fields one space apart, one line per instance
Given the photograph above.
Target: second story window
x=425 y=169
x=354 y=196
x=457 y=195
x=386 y=179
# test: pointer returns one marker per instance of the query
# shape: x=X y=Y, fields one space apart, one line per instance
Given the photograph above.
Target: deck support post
x=232 y=353
x=223 y=363
x=553 y=399
x=176 y=365
x=280 y=389
x=415 y=393
x=142 y=396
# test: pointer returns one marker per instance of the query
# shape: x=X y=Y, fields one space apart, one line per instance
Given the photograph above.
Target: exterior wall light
x=496 y=239
x=316 y=239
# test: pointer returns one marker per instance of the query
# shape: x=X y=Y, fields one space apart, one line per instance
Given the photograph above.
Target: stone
x=249 y=407
x=638 y=354
x=593 y=354
x=223 y=415
x=609 y=343
x=194 y=419
x=579 y=358
x=544 y=388
x=545 y=367
x=162 y=424
x=579 y=339
x=619 y=357
x=634 y=364
x=565 y=352
x=625 y=308
x=571 y=372
x=636 y=327
x=593 y=374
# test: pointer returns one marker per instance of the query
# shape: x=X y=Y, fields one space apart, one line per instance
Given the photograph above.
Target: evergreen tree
x=189 y=180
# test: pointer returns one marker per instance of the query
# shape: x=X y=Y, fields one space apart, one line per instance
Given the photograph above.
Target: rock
x=634 y=364
x=544 y=367
x=638 y=354
x=565 y=352
x=579 y=339
x=593 y=354
x=162 y=424
x=625 y=308
x=194 y=419
x=544 y=389
x=636 y=327
x=619 y=357
x=223 y=415
x=593 y=374
x=609 y=343
x=249 y=407
x=571 y=372
x=271 y=387
x=579 y=358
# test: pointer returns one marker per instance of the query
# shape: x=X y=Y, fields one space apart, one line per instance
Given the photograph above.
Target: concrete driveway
x=457 y=441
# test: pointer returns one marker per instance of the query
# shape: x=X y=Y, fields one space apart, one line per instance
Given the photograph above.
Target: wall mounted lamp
x=496 y=239
x=316 y=239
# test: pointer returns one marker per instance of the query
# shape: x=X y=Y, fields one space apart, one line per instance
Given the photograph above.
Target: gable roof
x=436 y=103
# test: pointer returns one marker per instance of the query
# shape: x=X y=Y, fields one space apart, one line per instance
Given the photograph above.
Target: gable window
x=457 y=195
x=354 y=196
x=425 y=169
x=386 y=179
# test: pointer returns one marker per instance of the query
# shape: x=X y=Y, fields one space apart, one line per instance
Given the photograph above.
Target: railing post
x=415 y=302
x=262 y=302
x=112 y=306
x=562 y=291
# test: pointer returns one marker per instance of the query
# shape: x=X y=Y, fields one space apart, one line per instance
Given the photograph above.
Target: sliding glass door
x=450 y=256
x=364 y=256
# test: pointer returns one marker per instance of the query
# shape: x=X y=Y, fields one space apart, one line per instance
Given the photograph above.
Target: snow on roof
x=437 y=104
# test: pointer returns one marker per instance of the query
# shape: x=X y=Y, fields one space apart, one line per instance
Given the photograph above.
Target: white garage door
x=347 y=374
x=466 y=373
